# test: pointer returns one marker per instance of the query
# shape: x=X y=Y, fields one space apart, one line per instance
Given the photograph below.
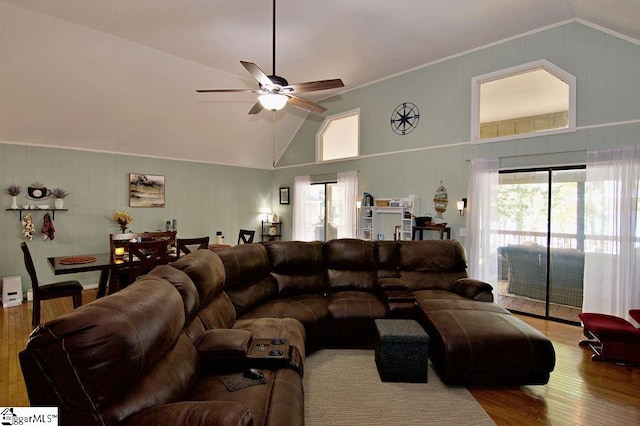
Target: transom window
x=339 y=137
x=528 y=100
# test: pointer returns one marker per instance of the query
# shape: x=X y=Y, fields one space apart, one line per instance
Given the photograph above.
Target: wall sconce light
x=462 y=205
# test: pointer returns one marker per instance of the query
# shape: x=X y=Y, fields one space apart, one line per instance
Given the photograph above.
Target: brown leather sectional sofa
x=162 y=350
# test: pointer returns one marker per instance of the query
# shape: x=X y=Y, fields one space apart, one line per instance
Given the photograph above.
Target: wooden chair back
x=71 y=288
x=186 y=245
x=121 y=240
x=31 y=269
x=246 y=236
x=146 y=255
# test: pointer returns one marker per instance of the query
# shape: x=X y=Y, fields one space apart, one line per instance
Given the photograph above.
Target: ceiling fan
x=275 y=91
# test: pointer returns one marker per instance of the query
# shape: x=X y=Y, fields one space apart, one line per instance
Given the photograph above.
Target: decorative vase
x=14 y=202
x=59 y=202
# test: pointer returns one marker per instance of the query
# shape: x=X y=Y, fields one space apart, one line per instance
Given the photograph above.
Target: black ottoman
x=402 y=349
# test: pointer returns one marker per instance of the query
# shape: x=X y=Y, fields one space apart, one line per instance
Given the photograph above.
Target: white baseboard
x=84 y=287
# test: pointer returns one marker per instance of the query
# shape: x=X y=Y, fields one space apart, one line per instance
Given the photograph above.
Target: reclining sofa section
x=158 y=352
x=336 y=289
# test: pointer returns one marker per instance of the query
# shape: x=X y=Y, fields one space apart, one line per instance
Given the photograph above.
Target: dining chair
x=71 y=288
x=185 y=245
x=246 y=236
x=146 y=255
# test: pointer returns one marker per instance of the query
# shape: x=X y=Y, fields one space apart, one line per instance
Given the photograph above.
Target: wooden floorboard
x=580 y=391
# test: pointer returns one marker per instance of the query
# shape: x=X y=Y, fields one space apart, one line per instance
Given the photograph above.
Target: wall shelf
x=271 y=231
x=53 y=216
x=369 y=223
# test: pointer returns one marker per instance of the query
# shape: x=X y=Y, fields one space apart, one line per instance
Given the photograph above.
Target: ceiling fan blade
x=315 y=85
x=257 y=73
x=306 y=104
x=256 y=108
x=229 y=91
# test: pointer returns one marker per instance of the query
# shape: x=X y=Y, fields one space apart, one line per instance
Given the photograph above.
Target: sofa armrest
x=473 y=289
x=223 y=344
x=194 y=413
x=390 y=284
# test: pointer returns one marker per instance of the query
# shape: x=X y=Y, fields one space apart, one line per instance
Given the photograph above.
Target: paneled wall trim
x=203 y=198
x=605 y=66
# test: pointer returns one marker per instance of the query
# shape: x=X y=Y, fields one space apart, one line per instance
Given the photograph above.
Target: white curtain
x=345 y=204
x=301 y=193
x=611 y=276
x=482 y=244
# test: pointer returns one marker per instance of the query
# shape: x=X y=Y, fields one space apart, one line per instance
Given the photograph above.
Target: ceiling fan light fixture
x=273 y=101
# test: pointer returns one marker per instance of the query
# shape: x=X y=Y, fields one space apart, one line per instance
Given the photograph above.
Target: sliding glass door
x=541 y=249
x=321 y=214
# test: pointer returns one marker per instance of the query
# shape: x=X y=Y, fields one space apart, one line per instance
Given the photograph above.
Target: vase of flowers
x=59 y=194
x=123 y=219
x=14 y=190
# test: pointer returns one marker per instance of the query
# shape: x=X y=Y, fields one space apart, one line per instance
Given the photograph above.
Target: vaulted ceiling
x=120 y=75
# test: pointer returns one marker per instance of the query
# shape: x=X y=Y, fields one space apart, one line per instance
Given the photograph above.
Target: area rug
x=342 y=388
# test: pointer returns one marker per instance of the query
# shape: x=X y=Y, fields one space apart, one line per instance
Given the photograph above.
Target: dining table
x=103 y=262
x=107 y=264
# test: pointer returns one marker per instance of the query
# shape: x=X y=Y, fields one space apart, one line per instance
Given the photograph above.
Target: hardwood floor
x=580 y=392
x=516 y=303
x=536 y=307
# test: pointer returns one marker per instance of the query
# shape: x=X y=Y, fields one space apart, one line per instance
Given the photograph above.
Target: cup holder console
x=275 y=348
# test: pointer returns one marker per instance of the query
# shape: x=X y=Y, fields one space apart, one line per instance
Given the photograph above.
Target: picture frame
x=284 y=195
x=146 y=190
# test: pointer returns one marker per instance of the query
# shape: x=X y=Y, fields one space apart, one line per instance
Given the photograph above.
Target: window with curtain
x=482 y=244
x=325 y=209
x=612 y=240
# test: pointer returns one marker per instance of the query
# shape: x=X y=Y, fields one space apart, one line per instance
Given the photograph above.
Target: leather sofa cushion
x=425 y=280
x=206 y=271
x=125 y=335
x=350 y=265
x=432 y=264
x=248 y=281
x=247 y=296
x=245 y=263
x=170 y=379
x=195 y=413
x=208 y=275
x=438 y=300
x=298 y=267
x=279 y=402
x=309 y=309
x=471 y=346
x=387 y=257
x=432 y=256
x=351 y=315
x=184 y=285
x=219 y=344
x=218 y=313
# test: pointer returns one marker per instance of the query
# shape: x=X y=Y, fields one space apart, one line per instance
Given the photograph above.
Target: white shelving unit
x=404 y=208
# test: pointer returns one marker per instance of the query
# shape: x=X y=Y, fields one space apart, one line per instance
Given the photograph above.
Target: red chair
x=612 y=338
